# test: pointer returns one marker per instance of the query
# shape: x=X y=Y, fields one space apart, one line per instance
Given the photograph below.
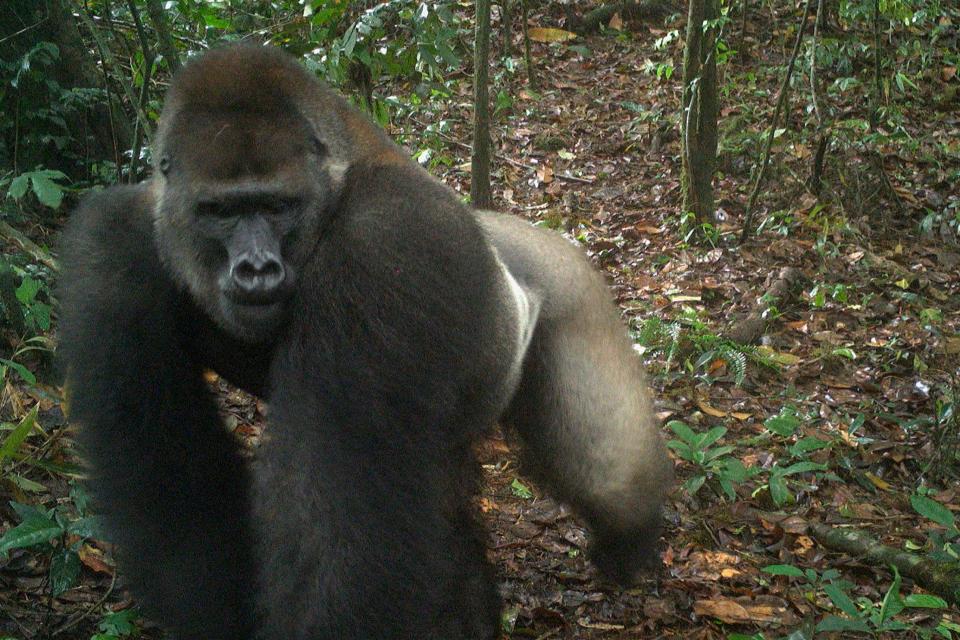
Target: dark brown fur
x=406 y=326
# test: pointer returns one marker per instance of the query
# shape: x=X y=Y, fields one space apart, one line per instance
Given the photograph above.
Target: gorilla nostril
x=258 y=276
x=272 y=270
x=245 y=272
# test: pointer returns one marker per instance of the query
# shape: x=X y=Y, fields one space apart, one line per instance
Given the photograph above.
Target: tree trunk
x=701 y=105
x=480 y=192
x=164 y=40
x=527 y=57
x=506 y=26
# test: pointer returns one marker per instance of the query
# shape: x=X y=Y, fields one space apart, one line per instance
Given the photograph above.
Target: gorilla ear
x=164 y=164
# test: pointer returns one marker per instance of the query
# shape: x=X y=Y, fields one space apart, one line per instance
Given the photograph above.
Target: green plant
x=44 y=185
x=397 y=37
x=695 y=335
x=874 y=618
x=118 y=624
x=40 y=344
x=57 y=533
x=863 y=615
x=712 y=462
x=946 y=544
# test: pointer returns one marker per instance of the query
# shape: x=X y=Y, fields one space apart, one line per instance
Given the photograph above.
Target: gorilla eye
x=164 y=165
x=281 y=205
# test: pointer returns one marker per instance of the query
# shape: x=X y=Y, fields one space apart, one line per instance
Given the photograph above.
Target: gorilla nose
x=258 y=279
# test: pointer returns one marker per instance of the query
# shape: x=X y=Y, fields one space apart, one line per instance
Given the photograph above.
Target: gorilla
x=287 y=244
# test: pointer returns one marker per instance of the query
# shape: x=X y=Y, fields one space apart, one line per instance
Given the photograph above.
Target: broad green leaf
x=683 y=450
x=87 y=527
x=13 y=441
x=683 y=432
x=779 y=491
x=28 y=533
x=892 y=602
x=25 y=373
x=784 y=424
x=28 y=511
x=717 y=452
x=735 y=470
x=783 y=570
x=28 y=289
x=808 y=444
x=18 y=187
x=211 y=20
x=800 y=467
x=48 y=192
x=706 y=439
x=520 y=490
x=924 y=601
x=841 y=600
x=25 y=483
x=693 y=484
x=728 y=489
x=836 y=623
x=933 y=510
x=64 y=571
x=120 y=623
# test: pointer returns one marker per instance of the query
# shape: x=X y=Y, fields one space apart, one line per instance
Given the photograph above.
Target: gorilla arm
x=379 y=393
x=582 y=408
x=163 y=468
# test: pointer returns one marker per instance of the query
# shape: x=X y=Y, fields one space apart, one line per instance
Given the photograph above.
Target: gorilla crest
x=286 y=243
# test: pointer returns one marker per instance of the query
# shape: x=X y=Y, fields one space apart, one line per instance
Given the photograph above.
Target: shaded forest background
x=771 y=188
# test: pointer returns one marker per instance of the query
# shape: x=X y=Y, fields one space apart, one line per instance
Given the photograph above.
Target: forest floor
x=855 y=364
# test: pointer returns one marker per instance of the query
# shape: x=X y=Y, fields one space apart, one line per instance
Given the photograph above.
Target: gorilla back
x=286 y=243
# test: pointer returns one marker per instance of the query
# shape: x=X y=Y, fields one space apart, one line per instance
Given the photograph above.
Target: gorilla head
x=247 y=180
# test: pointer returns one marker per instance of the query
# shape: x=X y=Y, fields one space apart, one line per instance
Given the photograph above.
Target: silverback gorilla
x=286 y=243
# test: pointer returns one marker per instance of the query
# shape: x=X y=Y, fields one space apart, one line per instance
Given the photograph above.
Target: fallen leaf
x=779 y=357
x=93 y=559
x=550 y=34
x=545 y=174
x=709 y=410
x=744 y=611
x=648 y=229
x=879 y=483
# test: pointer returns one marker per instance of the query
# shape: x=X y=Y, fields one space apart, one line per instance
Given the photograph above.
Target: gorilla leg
x=164 y=471
x=582 y=408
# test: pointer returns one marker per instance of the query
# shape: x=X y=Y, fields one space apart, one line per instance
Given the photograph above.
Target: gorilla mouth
x=250 y=299
x=253 y=318
x=258 y=311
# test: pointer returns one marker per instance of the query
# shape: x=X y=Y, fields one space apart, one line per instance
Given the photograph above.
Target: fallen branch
x=751 y=328
x=628 y=9
x=940 y=578
x=27 y=245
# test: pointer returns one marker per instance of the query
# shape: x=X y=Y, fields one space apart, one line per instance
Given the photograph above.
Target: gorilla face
x=243 y=199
